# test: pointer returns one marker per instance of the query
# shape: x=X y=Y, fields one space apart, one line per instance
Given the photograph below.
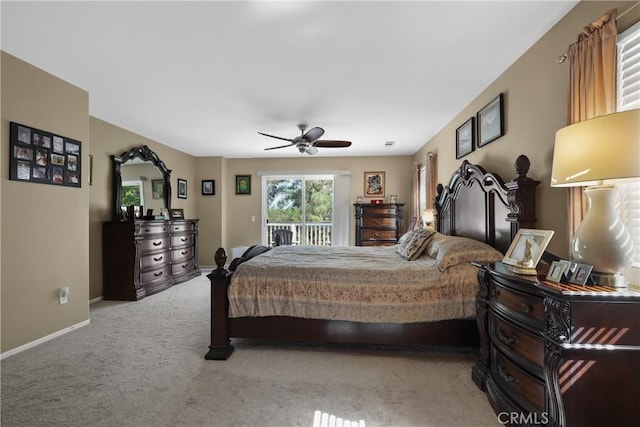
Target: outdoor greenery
x=284 y=200
x=130 y=195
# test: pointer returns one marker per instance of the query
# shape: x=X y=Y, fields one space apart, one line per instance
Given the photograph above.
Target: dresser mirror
x=140 y=178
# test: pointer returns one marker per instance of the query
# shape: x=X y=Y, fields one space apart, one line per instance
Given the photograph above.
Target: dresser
x=143 y=257
x=557 y=354
x=379 y=225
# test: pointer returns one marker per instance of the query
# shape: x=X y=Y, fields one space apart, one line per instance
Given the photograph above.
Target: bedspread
x=355 y=283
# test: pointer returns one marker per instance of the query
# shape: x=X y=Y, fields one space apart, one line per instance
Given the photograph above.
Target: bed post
x=522 y=197
x=220 y=348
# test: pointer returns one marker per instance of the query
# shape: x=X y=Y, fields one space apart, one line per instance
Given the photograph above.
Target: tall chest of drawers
x=556 y=354
x=379 y=225
x=143 y=257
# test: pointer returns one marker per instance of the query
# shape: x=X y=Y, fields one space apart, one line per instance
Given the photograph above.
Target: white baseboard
x=43 y=339
x=91 y=301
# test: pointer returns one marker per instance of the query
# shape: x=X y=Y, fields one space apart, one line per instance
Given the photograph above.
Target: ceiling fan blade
x=276 y=137
x=327 y=143
x=313 y=134
x=281 y=146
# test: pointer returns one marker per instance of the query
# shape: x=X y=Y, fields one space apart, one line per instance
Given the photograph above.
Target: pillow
x=414 y=245
x=253 y=251
x=454 y=250
x=402 y=240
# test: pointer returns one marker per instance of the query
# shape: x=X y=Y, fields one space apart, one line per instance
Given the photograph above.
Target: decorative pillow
x=414 y=245
x=454 y=250
x=402 y=240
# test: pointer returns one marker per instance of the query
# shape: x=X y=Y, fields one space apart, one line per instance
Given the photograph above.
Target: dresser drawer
x=182 y=240
x=180 y=227
x=147 y=229
x=522 y=343
x=182 y=254
x=377 y=243
x=150 y=244
x=182 y=267
x=389 y=223
x=154 y=260
x=379 y=210
x=523 y=387
x=520 y=303
x=162 y=273
x=378 y=235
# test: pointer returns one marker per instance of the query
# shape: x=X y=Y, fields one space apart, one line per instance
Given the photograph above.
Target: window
x=423 y=189
x=628 y=93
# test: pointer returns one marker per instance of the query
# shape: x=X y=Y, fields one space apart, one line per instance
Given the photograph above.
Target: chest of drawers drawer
x=161 y=273
x=181 y=227
x=182 y=267
x=378 y=235
x=380 y=222
x=154 y=244
x=151 y=229
x=181 y=254
x=526 y=389
x=154 y=260
x=181 y=240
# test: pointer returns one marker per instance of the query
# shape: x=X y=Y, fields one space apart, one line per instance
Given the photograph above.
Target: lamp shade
x=602 y=150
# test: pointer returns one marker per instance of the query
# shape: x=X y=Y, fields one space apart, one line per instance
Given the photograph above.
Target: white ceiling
x=205 y=77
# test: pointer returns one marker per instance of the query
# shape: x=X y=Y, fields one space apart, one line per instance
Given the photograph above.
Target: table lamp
x=598 y=153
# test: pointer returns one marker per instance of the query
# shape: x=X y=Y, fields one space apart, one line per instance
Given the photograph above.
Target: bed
x=419 y=292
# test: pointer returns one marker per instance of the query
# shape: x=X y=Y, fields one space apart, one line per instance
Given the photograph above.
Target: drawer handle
x=526 y=307
x=176 y=228
x=147 y=230
x=157 y=243
x=505 y=376
x=158 y=258
x=377 y=234
x=378 y=221
x=158 y=274
x=184 y=265
x=507 y=340
x=184 y=252
x=183 y=239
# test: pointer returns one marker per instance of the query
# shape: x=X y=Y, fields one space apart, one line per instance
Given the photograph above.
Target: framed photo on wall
x=208 y=187
x=374 y=185
x=491 y=121
x=243 y=184
x=465 y=138
x=43 y=157
x=182 y=188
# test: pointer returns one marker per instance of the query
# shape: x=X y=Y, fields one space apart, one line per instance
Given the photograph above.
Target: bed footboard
x=220 y=348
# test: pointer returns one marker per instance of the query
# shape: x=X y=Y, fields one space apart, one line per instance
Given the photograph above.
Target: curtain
x=592 y=89
x=431 y=162
x=415 y=198
x=341 y=210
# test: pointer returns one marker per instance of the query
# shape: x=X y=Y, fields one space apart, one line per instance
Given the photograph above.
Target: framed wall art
x=490 y=121
x=243 y=184
x=208 y=187
x=374 y=184
x=182 y=188
x=43 y=157
x=465 y=138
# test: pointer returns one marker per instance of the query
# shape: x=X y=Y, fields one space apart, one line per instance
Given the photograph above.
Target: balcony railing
x=314 y=233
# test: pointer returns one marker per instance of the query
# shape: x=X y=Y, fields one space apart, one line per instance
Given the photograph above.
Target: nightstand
x=556 y=354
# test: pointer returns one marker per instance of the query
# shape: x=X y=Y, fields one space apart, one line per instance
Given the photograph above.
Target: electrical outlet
x=64 y=295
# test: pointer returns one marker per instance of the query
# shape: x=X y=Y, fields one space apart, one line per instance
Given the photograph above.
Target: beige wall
x=535 y=94
x=45 y=228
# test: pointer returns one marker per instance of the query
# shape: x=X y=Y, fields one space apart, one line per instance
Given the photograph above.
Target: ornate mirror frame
x=143 y=153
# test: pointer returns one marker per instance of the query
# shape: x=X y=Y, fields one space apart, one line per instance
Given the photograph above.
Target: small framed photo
x=393 y=198
x=157 y=188
x=580 y=274
x=556 y=271
x=165 y=213
x=465 y=138
x=527 y=247
x=177 y=213
x=374 y=184
x=243 y=184
x=491 y=121
x=359 y=199
x=182 y=188
x=208 y=187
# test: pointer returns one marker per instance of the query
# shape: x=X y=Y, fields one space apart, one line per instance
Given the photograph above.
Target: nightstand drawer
x=517 y=340
x=523 y=387
x=379 y=222
x=522 y=304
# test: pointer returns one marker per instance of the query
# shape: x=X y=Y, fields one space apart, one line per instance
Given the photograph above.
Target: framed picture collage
x=45 y=158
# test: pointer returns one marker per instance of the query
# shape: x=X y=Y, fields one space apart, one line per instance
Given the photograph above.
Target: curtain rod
x=562 y=58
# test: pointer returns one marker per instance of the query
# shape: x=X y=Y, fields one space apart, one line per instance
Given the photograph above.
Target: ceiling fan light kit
x=309 y=141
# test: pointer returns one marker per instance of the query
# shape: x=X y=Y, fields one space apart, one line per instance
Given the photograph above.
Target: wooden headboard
x=482 y=206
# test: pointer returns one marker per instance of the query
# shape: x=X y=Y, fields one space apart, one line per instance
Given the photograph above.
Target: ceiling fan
x=308 y=142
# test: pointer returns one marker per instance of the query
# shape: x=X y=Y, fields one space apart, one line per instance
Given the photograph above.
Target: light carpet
x=142 y=364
